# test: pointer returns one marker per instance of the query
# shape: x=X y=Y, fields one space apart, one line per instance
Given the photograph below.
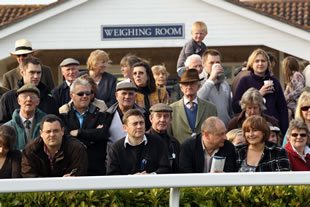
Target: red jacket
x=297 y=164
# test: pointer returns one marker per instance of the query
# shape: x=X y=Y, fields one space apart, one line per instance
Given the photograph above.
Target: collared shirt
x=187 y=102
x=306 y=151
x=50 y=157
x=68 y=83
x=128 y=142
x=80 y=116
x=23 y=120
x=208 y=158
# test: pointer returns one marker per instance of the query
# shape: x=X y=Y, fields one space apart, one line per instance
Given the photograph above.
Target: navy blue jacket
x=61 y=94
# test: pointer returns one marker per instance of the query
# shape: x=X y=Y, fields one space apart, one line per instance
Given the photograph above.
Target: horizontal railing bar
x=153 y=181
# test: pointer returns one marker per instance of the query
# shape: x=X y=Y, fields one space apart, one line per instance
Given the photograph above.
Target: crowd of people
x=93 y=125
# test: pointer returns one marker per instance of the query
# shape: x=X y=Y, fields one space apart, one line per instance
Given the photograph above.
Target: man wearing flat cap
x=70 y=71
x=161 y=117
x=31 y=74
x=26 y=119
x=23 y=49
x=189 y=112
x=126 y=97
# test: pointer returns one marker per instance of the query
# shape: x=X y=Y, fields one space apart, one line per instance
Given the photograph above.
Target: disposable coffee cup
x=268 y=82
x=214 y=65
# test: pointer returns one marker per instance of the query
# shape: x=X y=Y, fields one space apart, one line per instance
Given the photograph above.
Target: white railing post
x=174 y=200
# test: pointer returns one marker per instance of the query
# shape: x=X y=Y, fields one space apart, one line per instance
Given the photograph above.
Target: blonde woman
x=268 y=86
x=96 y=64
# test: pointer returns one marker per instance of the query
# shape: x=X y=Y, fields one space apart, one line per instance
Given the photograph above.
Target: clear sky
x=10 y=2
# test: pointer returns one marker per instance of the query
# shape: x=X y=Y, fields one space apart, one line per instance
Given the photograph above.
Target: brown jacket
x=11 y=77
x=72 y=155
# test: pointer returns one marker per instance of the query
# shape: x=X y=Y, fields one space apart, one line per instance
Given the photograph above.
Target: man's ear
x=125 y=127
x=21 y=71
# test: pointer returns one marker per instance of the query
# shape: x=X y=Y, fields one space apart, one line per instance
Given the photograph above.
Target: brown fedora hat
x=190 y=75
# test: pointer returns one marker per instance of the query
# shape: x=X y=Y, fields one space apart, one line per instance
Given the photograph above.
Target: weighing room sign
x=126 y=32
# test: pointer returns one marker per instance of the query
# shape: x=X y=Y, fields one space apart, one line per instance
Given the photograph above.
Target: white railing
x=173 y=181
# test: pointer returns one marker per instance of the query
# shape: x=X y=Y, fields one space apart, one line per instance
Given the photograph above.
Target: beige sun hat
x=22 y=47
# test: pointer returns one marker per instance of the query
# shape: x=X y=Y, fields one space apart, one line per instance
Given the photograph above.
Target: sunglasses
x=87 y=93
x=23 y=55
x=305 y=108
x=296 y=135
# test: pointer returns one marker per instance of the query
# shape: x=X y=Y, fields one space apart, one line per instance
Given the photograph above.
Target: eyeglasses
x=305 y=108
x=82 y=93
x=296 y=135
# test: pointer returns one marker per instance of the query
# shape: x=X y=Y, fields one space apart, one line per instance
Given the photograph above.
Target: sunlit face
x=81 y=97
x=125 y=98
x=238 y=140
x=254 y=136
x=135 y=127
x=51 y=134
x=273 y=137
x=198 y=35
x=209 y=61
x=298 y=138
x=140 y=76
x=127 y=71
x=217 y=138
x=20 y=58
x=260 y=65
x=31 y=74
x=252 y=109
x=305 y=112
x=70 y=72
x=195 y=63
x=190 y=89
x=100 y=66
x=160 y=121
x=28 y=101
x=160 y=78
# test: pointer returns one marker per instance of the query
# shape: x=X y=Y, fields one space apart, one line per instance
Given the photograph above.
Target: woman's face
x=140 y=76
x=305 y=112
x=127 y=71
x=160 y=78
x=260 y=65
x=298 y=138
x=100 y=66
x=252 y=109
x=254 y=136
x=273 y=137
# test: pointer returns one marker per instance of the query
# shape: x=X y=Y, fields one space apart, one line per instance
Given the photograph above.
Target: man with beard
x=215 y=88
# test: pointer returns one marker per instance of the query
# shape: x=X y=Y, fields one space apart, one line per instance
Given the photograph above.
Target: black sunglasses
x=296 y=134
x=305 y=108
x=87 y=93
x=22 y=55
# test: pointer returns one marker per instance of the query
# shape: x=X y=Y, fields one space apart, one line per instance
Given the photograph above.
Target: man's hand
x=99 y=126
x=141 y=173
x=216 y=68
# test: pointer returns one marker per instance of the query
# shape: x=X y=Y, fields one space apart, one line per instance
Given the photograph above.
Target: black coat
x=61 y=94
x=192 y=156
x=128 y=160
x=8 y=102
x=94 y=138
x=106 y=88
x=173 y=146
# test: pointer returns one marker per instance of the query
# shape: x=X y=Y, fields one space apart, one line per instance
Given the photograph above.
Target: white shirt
x=187 y=102
x=306 y=151
x=208 y=158
x=128 y=142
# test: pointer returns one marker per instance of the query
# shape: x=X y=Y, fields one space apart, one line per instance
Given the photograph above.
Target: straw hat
x=22 y=47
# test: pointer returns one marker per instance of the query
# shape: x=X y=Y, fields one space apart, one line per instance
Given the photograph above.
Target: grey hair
x=209 y=125
x=79 y=81
x=252 y=95
x=297 y=124
x=189 y=58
